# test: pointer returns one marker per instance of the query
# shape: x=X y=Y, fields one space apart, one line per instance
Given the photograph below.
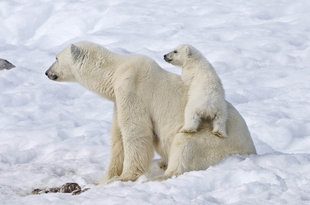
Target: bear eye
x=175 y=51
x=56 y=59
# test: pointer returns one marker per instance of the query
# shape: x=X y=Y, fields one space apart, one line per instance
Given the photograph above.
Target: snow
x=52 y=133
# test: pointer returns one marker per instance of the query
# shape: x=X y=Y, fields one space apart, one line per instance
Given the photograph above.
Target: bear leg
x=137 y=134
x=191 y=120
x=115 y=167
x=219 y=125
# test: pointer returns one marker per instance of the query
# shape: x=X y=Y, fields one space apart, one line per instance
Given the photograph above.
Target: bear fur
x=206 y=95
x=148 y=114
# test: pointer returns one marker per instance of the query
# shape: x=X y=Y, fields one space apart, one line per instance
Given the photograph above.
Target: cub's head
x=66 y=61
x=180 y=55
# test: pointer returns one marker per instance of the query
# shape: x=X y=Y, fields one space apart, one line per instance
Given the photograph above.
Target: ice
x=54 y=133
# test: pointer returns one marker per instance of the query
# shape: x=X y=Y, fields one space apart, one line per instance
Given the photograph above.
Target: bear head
x=67 y=60
x=181 y=54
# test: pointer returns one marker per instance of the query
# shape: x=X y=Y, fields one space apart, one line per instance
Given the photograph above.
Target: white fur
x=149 y=104
x=206 y=96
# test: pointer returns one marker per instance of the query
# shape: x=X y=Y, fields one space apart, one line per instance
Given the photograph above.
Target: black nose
x=51 y=76
x=166 y=58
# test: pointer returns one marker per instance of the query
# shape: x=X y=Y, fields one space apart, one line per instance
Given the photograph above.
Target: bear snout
x=167 y=58
x=51 y=76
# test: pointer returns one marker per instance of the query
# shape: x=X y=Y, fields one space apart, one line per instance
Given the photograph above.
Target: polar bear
x=149 y=104
x=206 y=95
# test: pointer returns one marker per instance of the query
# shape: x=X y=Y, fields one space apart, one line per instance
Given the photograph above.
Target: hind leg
x=187 y=153
x=181 y=155
x=219 y=125
x=191 y=119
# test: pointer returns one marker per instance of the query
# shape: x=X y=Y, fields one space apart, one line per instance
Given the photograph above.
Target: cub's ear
x=77 y=53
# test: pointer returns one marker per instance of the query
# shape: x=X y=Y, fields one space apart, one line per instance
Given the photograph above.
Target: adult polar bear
x=149 y=107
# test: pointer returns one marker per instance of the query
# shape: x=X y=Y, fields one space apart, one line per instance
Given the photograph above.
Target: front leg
x=136 y=128
x=117 y=151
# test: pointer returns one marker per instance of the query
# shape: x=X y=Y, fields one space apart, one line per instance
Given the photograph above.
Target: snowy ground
x=52 y=133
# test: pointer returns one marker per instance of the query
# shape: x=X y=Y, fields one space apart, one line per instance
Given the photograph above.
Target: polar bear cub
x=206 y=96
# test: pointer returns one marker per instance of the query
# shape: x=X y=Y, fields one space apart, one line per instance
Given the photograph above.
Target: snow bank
x=53 y=133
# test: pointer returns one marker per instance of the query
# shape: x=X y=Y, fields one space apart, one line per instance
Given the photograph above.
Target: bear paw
x=122 y=178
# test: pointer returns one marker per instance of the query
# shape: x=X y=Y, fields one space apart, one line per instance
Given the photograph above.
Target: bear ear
x=77 y=53
x=188 y=51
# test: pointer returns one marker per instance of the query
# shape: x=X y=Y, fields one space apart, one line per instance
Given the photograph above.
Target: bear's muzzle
x=51 y=76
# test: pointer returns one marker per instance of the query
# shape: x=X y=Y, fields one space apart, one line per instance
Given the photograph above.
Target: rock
x=4 y=64
x=73 y=188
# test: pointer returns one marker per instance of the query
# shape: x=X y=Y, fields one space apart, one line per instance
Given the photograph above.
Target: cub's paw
x=188 y=130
